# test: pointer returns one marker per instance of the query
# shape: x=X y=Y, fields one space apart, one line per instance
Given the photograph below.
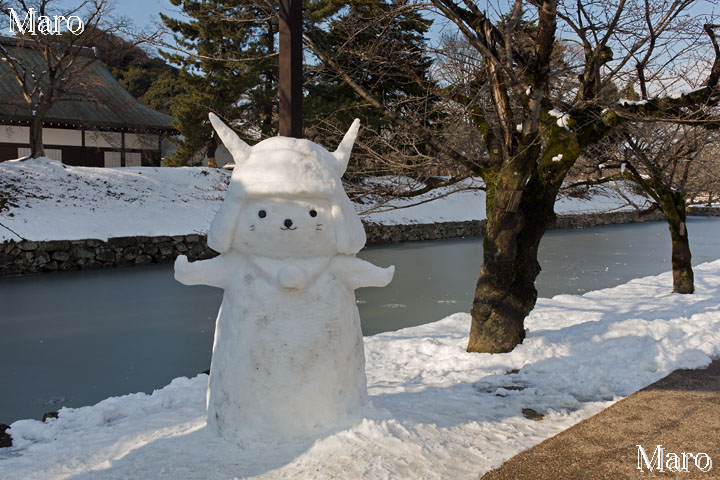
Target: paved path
x=681 y=412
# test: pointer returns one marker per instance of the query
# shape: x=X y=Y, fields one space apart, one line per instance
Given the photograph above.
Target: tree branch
x=436 y=144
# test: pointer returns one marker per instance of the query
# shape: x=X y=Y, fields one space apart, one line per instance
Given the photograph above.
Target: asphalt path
x=680 y=413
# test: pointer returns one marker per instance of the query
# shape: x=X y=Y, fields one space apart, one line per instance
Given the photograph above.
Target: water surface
x=74 y=338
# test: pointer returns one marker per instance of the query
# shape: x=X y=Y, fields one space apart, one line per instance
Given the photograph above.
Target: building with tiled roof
x=100 y=125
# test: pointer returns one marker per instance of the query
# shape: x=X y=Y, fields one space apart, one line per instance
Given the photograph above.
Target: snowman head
x=279 y=226
x=286 y=199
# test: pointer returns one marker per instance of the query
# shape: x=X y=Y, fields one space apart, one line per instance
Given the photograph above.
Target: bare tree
x=59 y=55
x=703 y=186
x=535 y=114
x=672 y=164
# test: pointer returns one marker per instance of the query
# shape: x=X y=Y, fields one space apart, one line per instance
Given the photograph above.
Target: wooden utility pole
x=291 y=62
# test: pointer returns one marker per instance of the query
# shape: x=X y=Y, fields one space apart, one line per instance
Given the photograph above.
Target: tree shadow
x=698 y=380
x=203 y=454
x=595 y=361
x=602 y=369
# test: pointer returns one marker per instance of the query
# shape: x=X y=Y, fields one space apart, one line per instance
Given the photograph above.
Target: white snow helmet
x=287 y=167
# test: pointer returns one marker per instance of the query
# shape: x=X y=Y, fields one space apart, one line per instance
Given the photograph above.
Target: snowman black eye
x=313 y=213
x=262 y=214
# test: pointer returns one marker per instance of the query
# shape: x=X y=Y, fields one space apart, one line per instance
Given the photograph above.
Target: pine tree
x=149 y=79
x=231 y=70
x=386 y=56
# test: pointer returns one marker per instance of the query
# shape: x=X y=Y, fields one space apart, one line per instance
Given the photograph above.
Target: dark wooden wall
x=81 y=156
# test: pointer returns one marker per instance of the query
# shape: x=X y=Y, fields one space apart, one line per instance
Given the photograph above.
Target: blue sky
x=144 y=12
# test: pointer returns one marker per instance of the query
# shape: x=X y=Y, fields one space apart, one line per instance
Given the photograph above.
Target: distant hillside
x=149 y=79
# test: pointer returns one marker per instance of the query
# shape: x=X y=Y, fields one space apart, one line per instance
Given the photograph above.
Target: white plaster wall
x=62 y=136
x=222 y=156
x=103 y=139
x=51 y=136
x=141 y=141
x=13 y=134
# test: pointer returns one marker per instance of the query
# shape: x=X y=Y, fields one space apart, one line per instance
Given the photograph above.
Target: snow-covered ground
x=438 y=412
x=45 y=200
x=465 y=202
x=53 y=201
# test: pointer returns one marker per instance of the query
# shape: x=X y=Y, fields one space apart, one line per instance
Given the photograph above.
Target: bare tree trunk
x=267 y=117
x=505 y=292
x=674 y=210
x=212 y=148
x=37 y=149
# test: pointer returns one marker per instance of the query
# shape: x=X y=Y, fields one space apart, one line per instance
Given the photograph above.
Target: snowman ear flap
x=223 y=225
x=349 y=230
x=342 y=154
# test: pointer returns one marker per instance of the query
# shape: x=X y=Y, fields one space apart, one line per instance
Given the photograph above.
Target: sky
x=144 y=12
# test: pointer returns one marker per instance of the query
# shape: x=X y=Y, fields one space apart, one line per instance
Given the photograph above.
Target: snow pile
x=439 y=412
x=52 y=201
x=610 y=197
x=45 y=200
x=457 y=203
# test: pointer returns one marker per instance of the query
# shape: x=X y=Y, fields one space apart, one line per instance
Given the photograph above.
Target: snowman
x=288 y=356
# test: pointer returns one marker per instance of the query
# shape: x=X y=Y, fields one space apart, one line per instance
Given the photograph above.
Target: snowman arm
x=356 y=273
x=214 y=272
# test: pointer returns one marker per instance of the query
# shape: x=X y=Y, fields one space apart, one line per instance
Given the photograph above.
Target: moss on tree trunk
x=674 y=210
x=505 y=292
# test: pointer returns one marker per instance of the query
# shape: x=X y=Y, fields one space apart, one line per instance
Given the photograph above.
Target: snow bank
x=61 y=202
x=439 y=412
x=51 y=201
x=459 y=204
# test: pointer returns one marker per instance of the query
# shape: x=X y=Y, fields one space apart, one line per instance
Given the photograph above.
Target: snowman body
x=288 y=356
x=285 y=361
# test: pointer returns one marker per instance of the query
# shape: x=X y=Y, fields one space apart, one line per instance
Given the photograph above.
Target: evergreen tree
x=149 y=79
x=230 y=69
x=380 y=44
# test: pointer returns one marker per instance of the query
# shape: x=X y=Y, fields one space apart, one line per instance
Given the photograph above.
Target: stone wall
x=427 y=231
x=605 y=218
x=32 y=257
x=704 y=211
x=60 y=255
x=476 y=228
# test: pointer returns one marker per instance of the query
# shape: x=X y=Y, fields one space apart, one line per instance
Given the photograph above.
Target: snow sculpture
x=288 y=355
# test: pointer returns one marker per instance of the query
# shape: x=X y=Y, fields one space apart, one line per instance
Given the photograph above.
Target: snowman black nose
x=288 y=223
